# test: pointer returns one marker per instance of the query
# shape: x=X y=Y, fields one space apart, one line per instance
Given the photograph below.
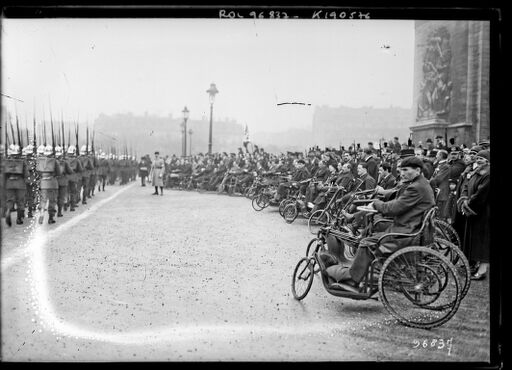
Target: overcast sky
x=93 y=66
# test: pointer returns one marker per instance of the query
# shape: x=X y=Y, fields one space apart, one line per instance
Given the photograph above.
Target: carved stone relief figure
x=435 y=89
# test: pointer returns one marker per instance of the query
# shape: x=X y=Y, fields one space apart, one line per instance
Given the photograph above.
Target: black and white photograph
x=246 y=184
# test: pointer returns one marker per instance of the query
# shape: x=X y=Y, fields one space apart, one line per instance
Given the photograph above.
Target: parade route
x=194 y=276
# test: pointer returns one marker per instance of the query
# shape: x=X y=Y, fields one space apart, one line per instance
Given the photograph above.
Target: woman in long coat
x=475 y=206
x=157 y=174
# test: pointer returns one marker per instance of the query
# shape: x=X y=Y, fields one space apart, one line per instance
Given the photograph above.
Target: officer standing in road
x=157 y=174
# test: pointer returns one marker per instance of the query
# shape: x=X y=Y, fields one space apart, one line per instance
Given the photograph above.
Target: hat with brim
x=432 y=154
x=404 y=153
x=414 y=162
x=484 y=143
x=484 y=154
x=475 y=149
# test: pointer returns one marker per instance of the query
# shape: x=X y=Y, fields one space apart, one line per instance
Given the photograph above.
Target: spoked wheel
x=290 y=213
x=420 y=287
x=318 y=219
x=283 y=204
x=256 y=204
x=250 y=192
x=314 y=246
x=446 y=231
x=264 y=200
x=303 y=278
x=458 y=259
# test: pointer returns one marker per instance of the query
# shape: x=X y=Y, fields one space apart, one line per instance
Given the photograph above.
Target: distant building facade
x=342 y=126
x=149 y=132
x=451 y=81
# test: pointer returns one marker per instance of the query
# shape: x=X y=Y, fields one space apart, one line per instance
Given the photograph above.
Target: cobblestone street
x=194 y=277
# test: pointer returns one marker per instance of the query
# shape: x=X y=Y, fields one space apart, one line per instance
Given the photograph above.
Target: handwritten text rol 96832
x=275 y=14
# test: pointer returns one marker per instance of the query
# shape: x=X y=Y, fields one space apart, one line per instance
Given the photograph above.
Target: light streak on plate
x=57 y=326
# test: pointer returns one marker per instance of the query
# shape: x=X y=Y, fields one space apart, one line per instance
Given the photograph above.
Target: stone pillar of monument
x=451 y=81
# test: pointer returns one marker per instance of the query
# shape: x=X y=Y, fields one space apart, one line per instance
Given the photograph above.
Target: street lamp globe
x=212 y=91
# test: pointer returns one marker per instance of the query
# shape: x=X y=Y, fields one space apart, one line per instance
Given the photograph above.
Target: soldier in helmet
x=103 y=170
x=144 y=166
x=112 y=169
x=63 y=180
x=75 y=179
x=32 y=181
x=86 y=173
x=49 y=170
x=93 y=179
x=16 y=174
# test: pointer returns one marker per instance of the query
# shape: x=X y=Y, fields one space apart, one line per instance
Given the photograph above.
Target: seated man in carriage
x=407 y=209
x=300 y=174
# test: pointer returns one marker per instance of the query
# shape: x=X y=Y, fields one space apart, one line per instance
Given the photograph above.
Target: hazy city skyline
x=110 y=66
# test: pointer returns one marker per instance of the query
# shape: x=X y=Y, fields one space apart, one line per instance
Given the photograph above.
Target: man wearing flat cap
x=407 y=209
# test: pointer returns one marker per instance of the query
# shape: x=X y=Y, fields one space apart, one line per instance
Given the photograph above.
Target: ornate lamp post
x=190 y=132
x=212 y=91
x=183 y=133
x=185 y=118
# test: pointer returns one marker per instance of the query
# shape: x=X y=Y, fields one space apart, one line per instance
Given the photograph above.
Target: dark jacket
x=477 y=232
x=409 y=206
x=387 y=182
x=346 y=180
x=440 y=180
x=428 y=169
x=322 y=174
x=368 y=182
x=456 y=168
x=301 y=174
x=373 y=168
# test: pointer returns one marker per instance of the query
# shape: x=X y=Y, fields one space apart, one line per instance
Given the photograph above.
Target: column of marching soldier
x=52 y=179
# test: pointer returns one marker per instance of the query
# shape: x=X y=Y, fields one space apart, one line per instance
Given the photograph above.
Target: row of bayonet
x=16 y=138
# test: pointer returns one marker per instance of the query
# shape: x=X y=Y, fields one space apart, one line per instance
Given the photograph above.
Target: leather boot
x=41 y=217
x=59 y=211
x=50 y=219
x=65 y=207
x=21 y=216
x=8 y=218
x=29 y=213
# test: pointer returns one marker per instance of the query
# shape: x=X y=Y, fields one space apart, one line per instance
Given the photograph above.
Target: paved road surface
x=188 y=277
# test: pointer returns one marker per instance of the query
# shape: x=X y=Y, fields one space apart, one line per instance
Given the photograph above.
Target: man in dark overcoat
x=475 y=206
x=407 y=209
